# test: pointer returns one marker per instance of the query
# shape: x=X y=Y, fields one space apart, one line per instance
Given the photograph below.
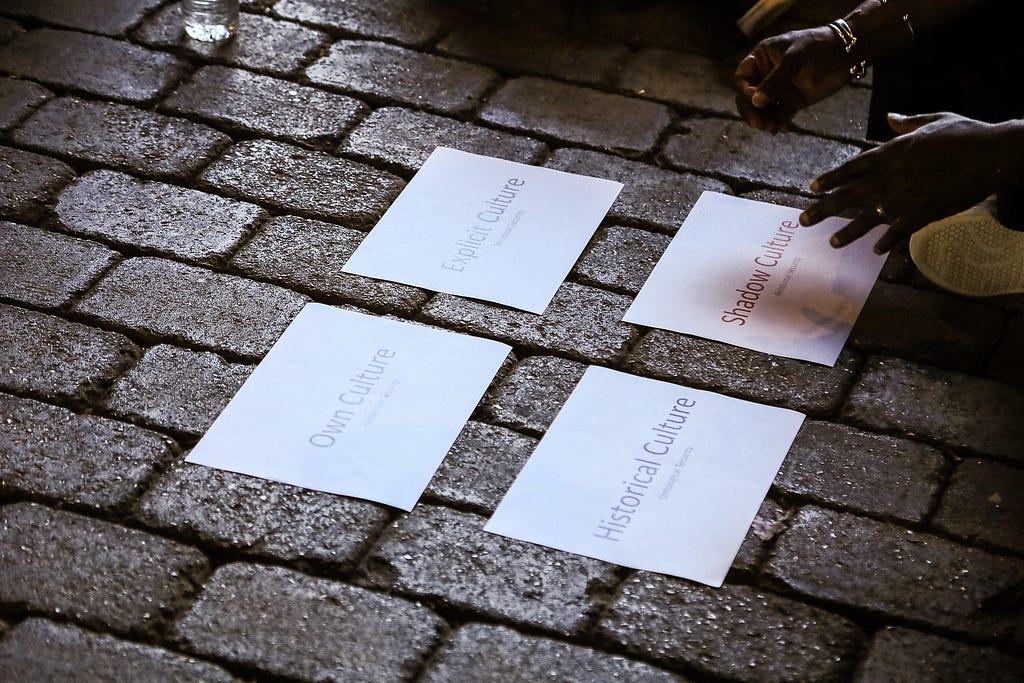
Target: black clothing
x=966 y=68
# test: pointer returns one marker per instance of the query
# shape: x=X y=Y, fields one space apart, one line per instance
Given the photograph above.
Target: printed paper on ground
x=353 y=404
x=746 y=273
x=486 y=228
x=649 y=475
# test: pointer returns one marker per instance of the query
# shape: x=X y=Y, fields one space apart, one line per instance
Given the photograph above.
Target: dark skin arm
x=786 y=73
x=789 y=72
x=938 y=165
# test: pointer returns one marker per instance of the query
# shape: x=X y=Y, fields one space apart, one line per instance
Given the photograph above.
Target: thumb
x=908 y=124
x=770 y=89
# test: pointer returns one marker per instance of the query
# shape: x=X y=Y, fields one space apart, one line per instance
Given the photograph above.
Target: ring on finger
x=882 y=213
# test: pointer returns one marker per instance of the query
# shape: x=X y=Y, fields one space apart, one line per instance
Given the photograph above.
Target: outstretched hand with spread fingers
x=934 y=168
x=786 y=73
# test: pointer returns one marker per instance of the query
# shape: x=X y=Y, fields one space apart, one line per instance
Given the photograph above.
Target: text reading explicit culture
x=474 y=237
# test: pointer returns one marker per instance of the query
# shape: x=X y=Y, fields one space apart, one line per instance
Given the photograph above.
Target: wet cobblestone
x=168 y=206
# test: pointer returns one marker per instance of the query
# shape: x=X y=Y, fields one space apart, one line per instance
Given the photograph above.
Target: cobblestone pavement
x=167 y=209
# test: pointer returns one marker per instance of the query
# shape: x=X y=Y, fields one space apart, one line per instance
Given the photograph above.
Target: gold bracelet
x=910 y=27
x=845 y=33
x=906 y=20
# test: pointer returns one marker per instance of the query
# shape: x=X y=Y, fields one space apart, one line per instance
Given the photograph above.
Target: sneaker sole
x=971 y=254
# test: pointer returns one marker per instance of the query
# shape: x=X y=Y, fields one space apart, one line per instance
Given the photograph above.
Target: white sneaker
x=971 y=253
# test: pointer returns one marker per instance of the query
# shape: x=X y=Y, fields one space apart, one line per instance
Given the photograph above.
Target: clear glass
x=210 y=20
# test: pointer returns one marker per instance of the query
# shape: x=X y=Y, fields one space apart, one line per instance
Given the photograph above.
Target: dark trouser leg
x=967 y=68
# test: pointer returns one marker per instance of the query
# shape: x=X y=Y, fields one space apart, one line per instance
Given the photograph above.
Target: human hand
x=786 y=73
x=935 y=167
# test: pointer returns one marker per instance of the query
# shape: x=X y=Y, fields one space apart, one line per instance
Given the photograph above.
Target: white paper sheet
x=649 y=475
x=746 y=273
x=485 y=228
x=353 y=404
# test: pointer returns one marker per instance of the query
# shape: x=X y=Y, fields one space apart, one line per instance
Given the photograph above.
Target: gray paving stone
x=79 y=459
x=546 y=53
x=169 y=301
x=495 y=654
x=704 y=364
x=842 y=115
x=306 y=182
x=480 y=467
x=736 y=632
x=28 y=182
x=580 y=322
x=403 y=21
x=288 y=624
x=529 y=13
x=878 y=475
x=937 y=329
x=308 y=255
x=960 y=411
x=395 y=74
x=735 y=150
x=685 y=80
x=18 y=98
x=122 y=137
x=99 y=574
x=9 y=30
x=770 y=521
x=46 y=269
x=779 y=197
x=702 y=28
x=46 y=356
x=898 y=573
x=984 y=502
x=270 y=107
x=620 y=258
x=92 y=64
x=900 y=655
x=40 y=650
x=155 y=217
x=651 y=194
x=261 y=518
x=578 y=115
x=445 y=557
x=261 y=43
x=176 y=389
x=403 y=139
x=112 y=17
x=532 y=394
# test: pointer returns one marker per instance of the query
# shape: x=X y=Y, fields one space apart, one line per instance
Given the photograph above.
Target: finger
x=835 y=204
x=774 y=84
x=781 y=116
x=794 y=98
x=908 y=124
x=900 y=230
x=754 y=117
x=746 y=76
x=855 y=169
x=855 y=229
